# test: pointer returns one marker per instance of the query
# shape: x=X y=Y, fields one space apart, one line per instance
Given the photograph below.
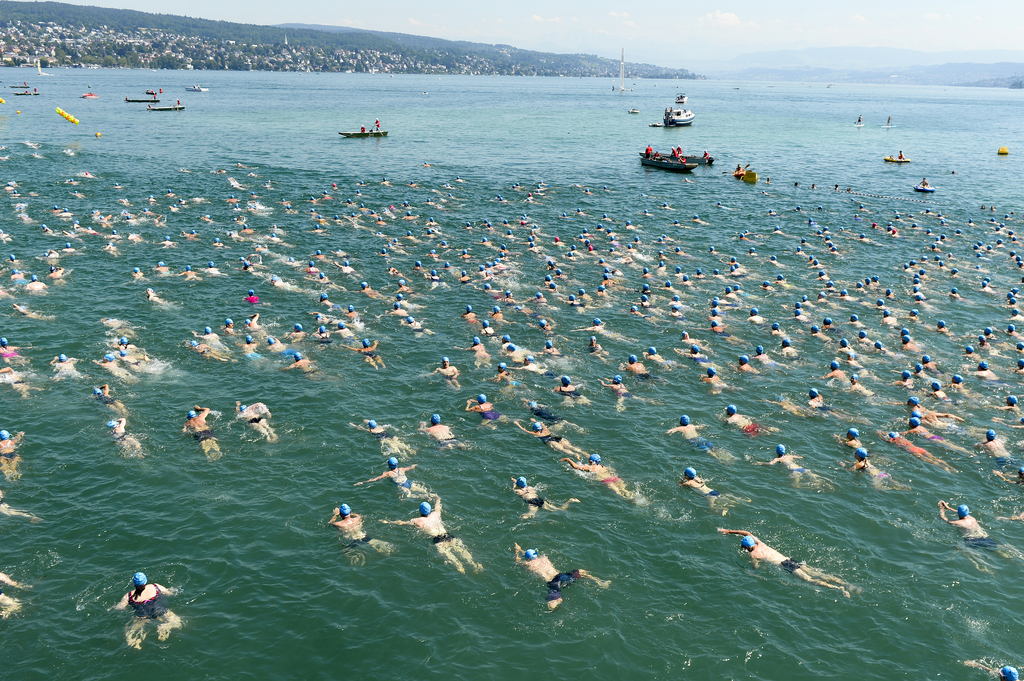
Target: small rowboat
x=667 y=164
x=173 y=107
x=25 y=94
x=142 y=101
x=90 y=95
x=368 y=133
x=893 y=159
x=919 y=188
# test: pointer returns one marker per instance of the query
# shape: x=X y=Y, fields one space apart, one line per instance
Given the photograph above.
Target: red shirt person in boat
x=648 y=152
x=377 y=123
x=362 y=128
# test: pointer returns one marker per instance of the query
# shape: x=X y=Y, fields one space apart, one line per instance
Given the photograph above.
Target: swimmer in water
x=63 y=367
x=759 y=551
x=879 y=479
x=1007 y=673
x=369 y=353
x=9 y=457
x=196 y=425
x=301 y=363
x=482 y=356
x=603 y=474
x=440 y=432
x=801 y=476
x=9 y=605
x=6 y=509
x=745 y=423
x=451 y=548
x=717 y=501
x=555 y=580
x=533 y=501
x=895 y=438
x=17 y=381
x=102 y=394
x=256 y=415
x=450 y=373
x=130 y=446
x=1019 y=480
x=390 y=445
x=992 y=445
x=570 y=392
x=486 y=409
x=406 y=487
x=149 y=603
x=973 y=535
x=555 y=442
x=351 y=526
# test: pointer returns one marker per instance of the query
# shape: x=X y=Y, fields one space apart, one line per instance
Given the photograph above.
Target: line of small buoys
x=66 y=116
x=893 y=198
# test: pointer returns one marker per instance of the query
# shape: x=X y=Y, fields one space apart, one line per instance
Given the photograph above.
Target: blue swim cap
x=109 y=357
x=990 y=435
x=4 y=435
x=191 y=414
x=780 y=450
x=963 y=511
x=371 y=424
x=834 y=364
x=435 y=419
x=425 y=508
x=982 y=365
x=1009 y=673
x=690 y=473
x=111 y=424
x=936 y=385
x=520 y=481
x=139 y=579
x=62 y=358
x=906 y=374
x=748 y=542
x=853 y=432
x=481 y=398
x=632 y=359
x=566 y=380
x=914 y=422
x=731 y=409
x=712 y=372
x=392 y=463
x=297 y=356
x=813 y=392
x=595 y=458
x=684 y=420
x=530 y=554
x=1011 y=400
x=344 y=510
x=861 y=453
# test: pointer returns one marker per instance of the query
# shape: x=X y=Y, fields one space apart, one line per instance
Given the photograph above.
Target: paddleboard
x=858 y=125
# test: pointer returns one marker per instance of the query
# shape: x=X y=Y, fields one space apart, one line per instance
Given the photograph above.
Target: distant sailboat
x=622 y=72
x=39 y=68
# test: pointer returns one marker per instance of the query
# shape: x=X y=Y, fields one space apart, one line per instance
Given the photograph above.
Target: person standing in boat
x=648 y=152
x=362 y=128
x=859 y=120
x=377 y=124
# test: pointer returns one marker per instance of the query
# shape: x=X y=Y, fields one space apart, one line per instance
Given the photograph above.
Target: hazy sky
x=665 y=33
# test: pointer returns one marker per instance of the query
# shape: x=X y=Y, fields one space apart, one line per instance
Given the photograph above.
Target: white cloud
x=721 y=19
x=414 y=22
x=619 y=15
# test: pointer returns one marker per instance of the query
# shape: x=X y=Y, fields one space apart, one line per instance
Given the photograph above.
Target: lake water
x=267 y=588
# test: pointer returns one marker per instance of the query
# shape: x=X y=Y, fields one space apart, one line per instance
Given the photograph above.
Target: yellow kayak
x=892 y=159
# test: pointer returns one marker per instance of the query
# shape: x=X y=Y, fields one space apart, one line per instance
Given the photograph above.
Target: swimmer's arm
x=396 y=522
x=978 y=665
x=766 y=463
x=518 y=425
x=575 y=465
x=943 y=507
x=1004 y=476
x=170 y=591
x=122 y=604
x=379 y=477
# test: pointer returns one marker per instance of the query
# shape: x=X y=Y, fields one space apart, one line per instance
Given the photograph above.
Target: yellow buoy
x=750 y=176
x=99 y=135
x=19 y=112
x=1003 y=151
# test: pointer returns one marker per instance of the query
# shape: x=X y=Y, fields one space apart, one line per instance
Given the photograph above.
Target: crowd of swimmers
x=607 y=264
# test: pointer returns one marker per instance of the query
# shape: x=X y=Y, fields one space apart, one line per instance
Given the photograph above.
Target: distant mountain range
x=993 y=68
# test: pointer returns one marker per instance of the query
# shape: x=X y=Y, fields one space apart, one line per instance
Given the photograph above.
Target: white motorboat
x=675 y=118
x=680 y=99
x=634 y=111
x=196 y=88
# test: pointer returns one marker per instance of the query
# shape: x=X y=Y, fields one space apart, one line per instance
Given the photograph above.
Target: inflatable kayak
x=891 y=159
x=919 y=188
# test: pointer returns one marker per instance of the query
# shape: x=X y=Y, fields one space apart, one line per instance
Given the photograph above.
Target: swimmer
x=390 y=445
x=595 y=348
x=852 y=438
x=1007 y=673
x=879 y=478
x=486 y=409
x=620 y=391
x=256 y=415
x=5 y=509
x=9 y=458
x=1019 y=480
x=555 y=442
x=102 y=394
x=369 y=353
x=440 y=432
x=196 y=425
x=759 y=551
x=570 y=392
x=451 y=548
x=604 y=474
x=64 y=367
x=149 y=603
x=533 y=501
x=745 y=423
x=9 y=605
x=17 y=381
x=717 y=501
x=973 y=535
x=450 y=373
x=351 y=526
x=801 y=476
x=130 y=446
x=992 y=445
x=207 y=351
x=301 y=363
x=895 y=438
x=555 y=580
x=406 y=487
